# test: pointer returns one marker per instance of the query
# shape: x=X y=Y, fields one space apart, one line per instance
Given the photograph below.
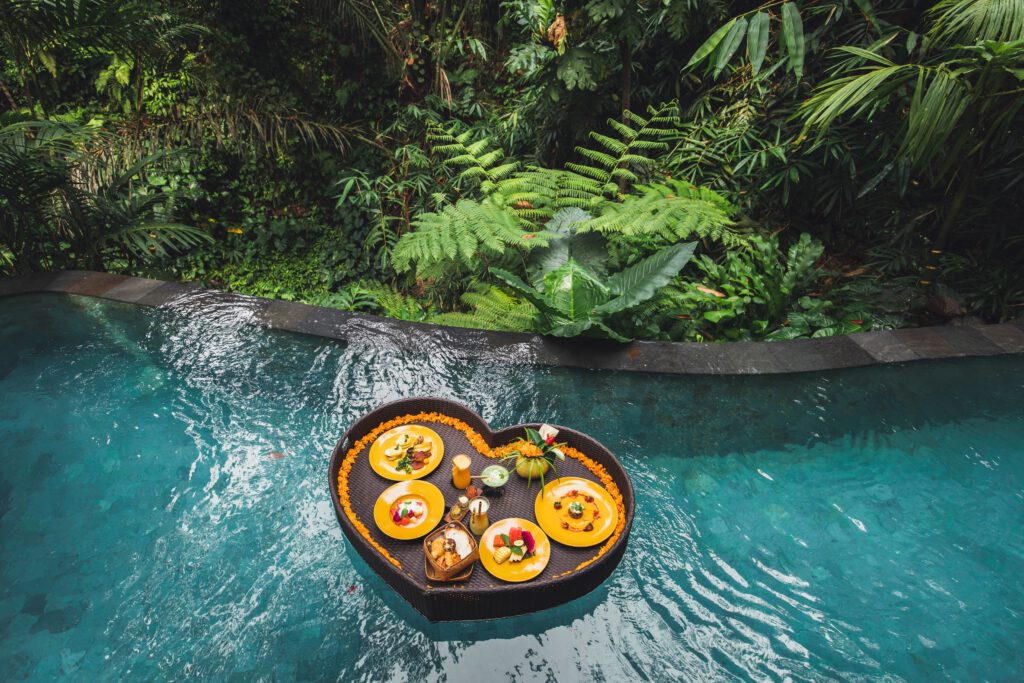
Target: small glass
x=460 y=471
x=478 y=521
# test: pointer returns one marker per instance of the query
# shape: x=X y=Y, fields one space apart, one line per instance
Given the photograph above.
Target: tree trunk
x=140 y=85
x=9 y=96
x=419 y=65
x=626 y=80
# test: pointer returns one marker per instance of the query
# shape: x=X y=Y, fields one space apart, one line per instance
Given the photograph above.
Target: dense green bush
x=838 y=163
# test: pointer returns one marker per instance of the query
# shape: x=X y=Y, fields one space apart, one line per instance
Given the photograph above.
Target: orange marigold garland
x=475 y=440
x=481 y=446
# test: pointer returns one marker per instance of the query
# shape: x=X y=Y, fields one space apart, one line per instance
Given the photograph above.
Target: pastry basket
x=458 y=571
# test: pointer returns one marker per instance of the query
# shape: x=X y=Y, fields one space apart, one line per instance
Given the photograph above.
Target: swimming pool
x=857 y=525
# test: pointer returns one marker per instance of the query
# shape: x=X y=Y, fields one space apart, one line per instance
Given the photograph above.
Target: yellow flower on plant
x=235 y=231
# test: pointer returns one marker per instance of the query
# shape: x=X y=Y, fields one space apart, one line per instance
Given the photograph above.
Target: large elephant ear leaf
x=527 y=292
x=587 y=249
x=594 y=326
x=574 y=291
x=564 y=221
x=639 y=282
x=591 y=253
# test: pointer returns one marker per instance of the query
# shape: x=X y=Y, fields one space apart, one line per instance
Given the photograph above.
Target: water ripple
x=854 y=526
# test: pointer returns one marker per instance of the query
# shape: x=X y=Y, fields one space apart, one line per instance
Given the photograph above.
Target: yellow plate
x=601 y=512
x=420 y=496
x=386 y=468
x=515 y=571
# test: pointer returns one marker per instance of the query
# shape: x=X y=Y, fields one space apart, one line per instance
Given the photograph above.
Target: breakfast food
x=577 y=511
x=410 y=453
x=408 y=512
x=451 y=547
x=515 y=546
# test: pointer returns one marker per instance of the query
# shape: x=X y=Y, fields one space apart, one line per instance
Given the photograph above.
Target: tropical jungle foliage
x=673 y=169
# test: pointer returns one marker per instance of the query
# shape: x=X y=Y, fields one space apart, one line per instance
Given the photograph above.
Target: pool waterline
x=842 y=525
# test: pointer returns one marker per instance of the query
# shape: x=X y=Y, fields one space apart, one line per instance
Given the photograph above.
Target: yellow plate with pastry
x=576 y=512
x=406 y=452
x=409 y=509
x=514 y=550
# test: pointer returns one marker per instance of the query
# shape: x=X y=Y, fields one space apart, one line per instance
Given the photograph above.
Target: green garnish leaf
x=508 y=543
x=517 y=550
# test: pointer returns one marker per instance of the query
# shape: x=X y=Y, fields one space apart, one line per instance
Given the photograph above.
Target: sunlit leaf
x=793 y=31
x=710 y=44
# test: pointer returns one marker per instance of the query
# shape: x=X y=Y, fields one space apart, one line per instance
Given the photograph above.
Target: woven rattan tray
x=400 y=563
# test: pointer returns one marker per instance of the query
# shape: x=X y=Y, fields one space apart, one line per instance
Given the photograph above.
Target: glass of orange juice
x=460 y=471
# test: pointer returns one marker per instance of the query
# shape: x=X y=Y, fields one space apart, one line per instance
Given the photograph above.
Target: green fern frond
x=463 y=234
x=670 y=212
x=623 y=130
x=503 y=171
x=589 y=171
x=479 y=148
x=640 y=140
x=478 y=163
x=492 y=309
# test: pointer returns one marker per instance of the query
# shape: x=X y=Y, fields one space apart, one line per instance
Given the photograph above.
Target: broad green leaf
x=573 y=291
x=587 y=249
x=577 y=328
x=609 y=332
x=564 y=221
x=572 y=329
x=526 y=291
x=757 y=41
x=793 y=32
x=710 y=44
x=639 y=282
x=729 y=45
x=345 y=192
x=718 y=316
x=576 y=69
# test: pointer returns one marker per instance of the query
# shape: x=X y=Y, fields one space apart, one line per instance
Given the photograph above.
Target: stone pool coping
x=733 y=358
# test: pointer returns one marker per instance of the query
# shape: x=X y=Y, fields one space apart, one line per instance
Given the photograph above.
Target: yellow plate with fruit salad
x=409 y=509
x=503 y=535
x=576 y=512
x=406 y=452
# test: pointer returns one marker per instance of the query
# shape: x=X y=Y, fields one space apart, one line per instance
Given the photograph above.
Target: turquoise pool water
x=856 y=525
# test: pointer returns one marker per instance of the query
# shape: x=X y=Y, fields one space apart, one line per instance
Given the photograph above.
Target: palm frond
x=969 y=21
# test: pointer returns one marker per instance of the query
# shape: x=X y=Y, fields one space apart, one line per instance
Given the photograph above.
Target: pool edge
x=733 y=358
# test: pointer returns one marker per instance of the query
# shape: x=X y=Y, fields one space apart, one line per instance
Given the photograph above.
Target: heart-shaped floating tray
x=571 y=572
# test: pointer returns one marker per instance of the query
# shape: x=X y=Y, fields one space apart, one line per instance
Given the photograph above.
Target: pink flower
x=548 y=433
